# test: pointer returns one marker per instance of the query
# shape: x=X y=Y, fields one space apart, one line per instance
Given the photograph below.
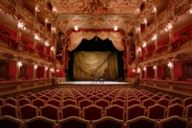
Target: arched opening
x=95 y=59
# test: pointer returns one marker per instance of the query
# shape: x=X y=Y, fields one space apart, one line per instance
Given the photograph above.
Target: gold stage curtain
x=95 y=65
x=76 y=37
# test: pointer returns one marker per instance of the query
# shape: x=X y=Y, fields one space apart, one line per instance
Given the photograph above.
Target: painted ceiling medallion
x=96 y=8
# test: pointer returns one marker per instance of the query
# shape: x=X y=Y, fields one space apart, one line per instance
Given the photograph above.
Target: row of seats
x=93 y=112
x=105 y=122
x=103 y=102
x=94 y=102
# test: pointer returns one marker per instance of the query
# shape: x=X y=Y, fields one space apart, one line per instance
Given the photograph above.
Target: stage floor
x=97 y=82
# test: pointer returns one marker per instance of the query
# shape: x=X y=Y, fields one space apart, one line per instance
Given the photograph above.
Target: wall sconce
x=19 y=64
x=35 y=66
x=46 y=68
x=170 y=64
x=138 y=70
x=155 y=67
x=144 y=68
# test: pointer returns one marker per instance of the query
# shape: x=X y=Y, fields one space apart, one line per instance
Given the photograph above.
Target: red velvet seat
x=32 y=97
x=107 y=122
x=141 y=122
x=50 y=111
x=102 y=103
x=92 y=112
x=115 y=111
x=176 y=100
x=23 y=101
x=175 y=110
x=69 y=102
x=94 y=98
x=85 y=102
x=187 y=101
x=8 y=109
x=163 y=101
x=156 y=111
x=70 y=110
x=44 y=97
x=21 y=96
x=54 y=102
x=11 y=101
x=74 y=122
x=10 y=122
x=108 y=98
x=40 y=122
x=148 y=102
x=174 y=122
x=133 y=102
x=1 y=101
x=28 y=111
x=135 y=111
x=119 y=102
x=188 y=112
x=38 y=102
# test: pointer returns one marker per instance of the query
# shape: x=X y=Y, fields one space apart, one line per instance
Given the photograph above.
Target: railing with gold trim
x=9 y=87
x=179 y=87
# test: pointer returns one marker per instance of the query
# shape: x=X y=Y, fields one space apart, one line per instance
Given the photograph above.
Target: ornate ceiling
x=40 y=15
x=95 y=14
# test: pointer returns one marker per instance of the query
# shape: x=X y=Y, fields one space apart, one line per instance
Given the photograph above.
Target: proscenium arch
x=96 y=46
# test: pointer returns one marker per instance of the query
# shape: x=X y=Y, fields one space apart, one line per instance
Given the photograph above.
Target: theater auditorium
x=95 y=64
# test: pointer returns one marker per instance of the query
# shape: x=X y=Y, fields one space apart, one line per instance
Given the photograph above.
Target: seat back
x=49 y=111
x=74 y=122
x=163 y=101
x=156 y=111
x=28 y=111
x=148 y=102
x=175 y=110
x=11 y=101
x=141 y=122
x=119 y=102
x=133 y=102
x=54 y=102
x=187 y=101
x=135 y=111
x=107 y=122
x=174 y=122
x=10 y=122
x=70 y=110
x=8 y=109
x=188 y=112
x=23 y=101
x=69 y=102
x=176 y=100
x=38 y=102
x=85 y=102
x=40 y=122
x=102 y=103
x=92 y=112
x=115 y=111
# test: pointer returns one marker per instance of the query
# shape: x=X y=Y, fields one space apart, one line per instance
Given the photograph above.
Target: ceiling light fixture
x=54 y=9
x=37 y=8
x=76 y=28
x=154 y=9
x=36 y=37
x=47 y=43
x=144 y=44
x=154 y=37
x=115 y=28
x=145 y=21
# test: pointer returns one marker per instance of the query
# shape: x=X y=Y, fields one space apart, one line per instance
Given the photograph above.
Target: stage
x=99 y=83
